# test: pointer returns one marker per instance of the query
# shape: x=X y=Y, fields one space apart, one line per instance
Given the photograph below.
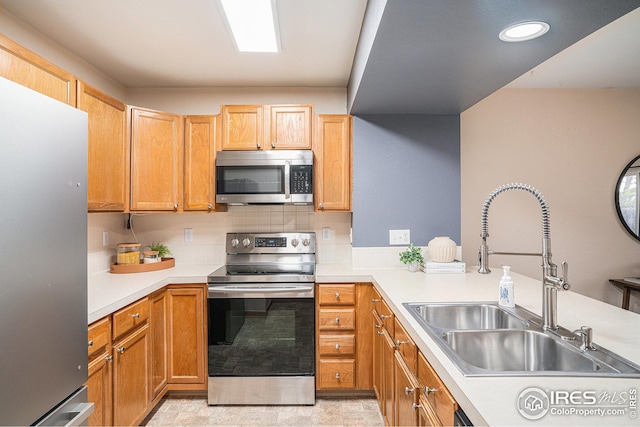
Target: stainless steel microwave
x=264 y=177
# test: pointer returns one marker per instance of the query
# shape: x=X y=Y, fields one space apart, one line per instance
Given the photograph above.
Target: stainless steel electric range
x=262 y=321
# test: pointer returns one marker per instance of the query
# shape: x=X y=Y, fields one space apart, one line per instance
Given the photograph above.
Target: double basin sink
x=485 y=339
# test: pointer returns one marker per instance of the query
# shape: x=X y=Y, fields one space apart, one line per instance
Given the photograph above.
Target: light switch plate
x=188 y=234
x=399 y=237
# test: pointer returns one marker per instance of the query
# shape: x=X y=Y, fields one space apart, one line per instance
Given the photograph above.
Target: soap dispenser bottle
x=507 y=298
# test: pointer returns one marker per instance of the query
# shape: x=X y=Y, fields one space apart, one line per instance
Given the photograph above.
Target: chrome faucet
x=551 y=283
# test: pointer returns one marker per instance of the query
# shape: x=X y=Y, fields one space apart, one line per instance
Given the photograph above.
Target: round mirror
x=628 y=197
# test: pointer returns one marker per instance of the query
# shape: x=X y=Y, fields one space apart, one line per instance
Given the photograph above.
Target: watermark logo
x=533 y=403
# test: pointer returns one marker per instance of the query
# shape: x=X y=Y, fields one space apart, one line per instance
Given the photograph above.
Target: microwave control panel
x=301 y=181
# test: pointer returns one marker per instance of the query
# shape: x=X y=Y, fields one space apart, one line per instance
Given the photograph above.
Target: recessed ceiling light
x=524 y=31
x=253 y=24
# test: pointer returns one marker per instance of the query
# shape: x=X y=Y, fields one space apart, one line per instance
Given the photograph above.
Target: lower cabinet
x=407 y=394
x=140 y=352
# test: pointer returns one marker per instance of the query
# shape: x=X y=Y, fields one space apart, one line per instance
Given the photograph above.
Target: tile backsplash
x=209 y=231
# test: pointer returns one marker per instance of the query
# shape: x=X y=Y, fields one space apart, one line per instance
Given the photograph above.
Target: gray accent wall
x=406 y=175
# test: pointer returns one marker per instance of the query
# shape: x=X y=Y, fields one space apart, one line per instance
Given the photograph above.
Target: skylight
x=253 y=24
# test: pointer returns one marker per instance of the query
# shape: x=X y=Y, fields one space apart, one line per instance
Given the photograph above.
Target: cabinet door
x=441 y=402
x=187 y=349
x=290 y=127
x=156 y=160
x=131 y=378
x=388 y=371
x=332 y=148
x=377 y=358
x=99 y=389
x=199 y=162
x=24 y=67
x=242 y=127
x=158 y=330
x=108 y=150
x=407 y=394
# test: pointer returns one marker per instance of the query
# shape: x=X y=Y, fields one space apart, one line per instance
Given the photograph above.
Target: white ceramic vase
x=413 y=266
x=442 y=249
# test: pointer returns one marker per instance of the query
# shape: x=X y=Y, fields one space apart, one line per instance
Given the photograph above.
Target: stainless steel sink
x=484 y=339
x=467 y=316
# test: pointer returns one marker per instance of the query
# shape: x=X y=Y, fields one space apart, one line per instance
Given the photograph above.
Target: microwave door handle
x=287 y=179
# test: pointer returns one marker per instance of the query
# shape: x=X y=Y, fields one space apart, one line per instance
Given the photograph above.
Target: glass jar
x=128 y=253
x=149 y=257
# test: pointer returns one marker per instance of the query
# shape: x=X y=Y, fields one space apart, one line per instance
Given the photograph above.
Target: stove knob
x=246 y=243
x=235 y=242
x=306 y=242
x=294 y=242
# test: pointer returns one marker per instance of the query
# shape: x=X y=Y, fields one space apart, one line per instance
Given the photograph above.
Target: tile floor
x=194 y=411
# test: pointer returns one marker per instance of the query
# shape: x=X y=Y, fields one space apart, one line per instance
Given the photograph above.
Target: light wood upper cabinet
x=332 y=148
x=156 y=160
x=290 y=127
x=242 y=127
x=108 y=150
x=266 y=127
x=24 y=67
x=201 y=134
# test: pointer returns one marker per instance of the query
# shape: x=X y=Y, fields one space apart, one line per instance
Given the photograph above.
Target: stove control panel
x=271 y=242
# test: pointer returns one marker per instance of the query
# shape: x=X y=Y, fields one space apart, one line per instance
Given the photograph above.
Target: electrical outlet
x=326 y=233
x=399 y=237
x=188 y=234
x=105 y=238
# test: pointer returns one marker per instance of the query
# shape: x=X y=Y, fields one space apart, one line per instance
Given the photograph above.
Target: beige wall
x=571 y=145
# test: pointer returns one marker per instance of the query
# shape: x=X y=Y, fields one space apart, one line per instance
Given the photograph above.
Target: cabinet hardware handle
x=136 y=315
x=382 y=316
x=377 y=326
x=90 y=343
x=337 y=346
x=321 y=206
x=175 y=206
x=273 y=145
x=408 y=390
x=337 y=320
x=373 y=300
x=416 y=406
x=121 y=350
x=380 y=332
x=399 y=343
x=337 y=295
x=258 y=145
x=109 y=358
x=337 y=375
x=428 y=390
x=210 y=206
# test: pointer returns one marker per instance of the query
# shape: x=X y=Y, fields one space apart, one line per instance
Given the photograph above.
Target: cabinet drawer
x=406 y=347
x=337 y=294
x=442 y=403
x=337 y=374
x=386 y=316
x=99 y=336
x=336 y=345
x=339 y=319
x=130 y=317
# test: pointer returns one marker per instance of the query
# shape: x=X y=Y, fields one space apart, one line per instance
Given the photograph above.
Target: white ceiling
x=179 y=43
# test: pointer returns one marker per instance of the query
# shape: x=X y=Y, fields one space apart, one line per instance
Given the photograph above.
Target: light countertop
x=486 y=400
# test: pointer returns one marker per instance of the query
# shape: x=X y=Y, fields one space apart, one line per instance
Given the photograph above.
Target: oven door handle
x=287 y=179
x=260 y=291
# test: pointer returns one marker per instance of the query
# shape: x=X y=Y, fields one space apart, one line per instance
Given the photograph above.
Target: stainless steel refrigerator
x=43 y=259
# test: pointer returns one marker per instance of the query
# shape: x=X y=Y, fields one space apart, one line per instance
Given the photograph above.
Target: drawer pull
x=373 y=300
x=377 y=326
x=416 y=406
x=121 y=350
x=382 y=316
x=337 y=375
x=408 y=390
x=109 y=358
x=428 y=390
x=399 y=343
x=379 y=332
x=337 y=346
x=135 y=315
x=337 y=320
x=337 y=295
x=90 y=343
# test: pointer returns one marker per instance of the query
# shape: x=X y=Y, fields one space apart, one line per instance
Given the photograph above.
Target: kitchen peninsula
x=486 y=400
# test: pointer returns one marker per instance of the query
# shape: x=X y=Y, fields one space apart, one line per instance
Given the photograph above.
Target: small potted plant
x=163 y=250
x=412 y=257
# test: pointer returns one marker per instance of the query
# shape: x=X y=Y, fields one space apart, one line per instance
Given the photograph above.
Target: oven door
x=261 y=344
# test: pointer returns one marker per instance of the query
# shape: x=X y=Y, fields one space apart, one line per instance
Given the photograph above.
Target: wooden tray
x=142 y=268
